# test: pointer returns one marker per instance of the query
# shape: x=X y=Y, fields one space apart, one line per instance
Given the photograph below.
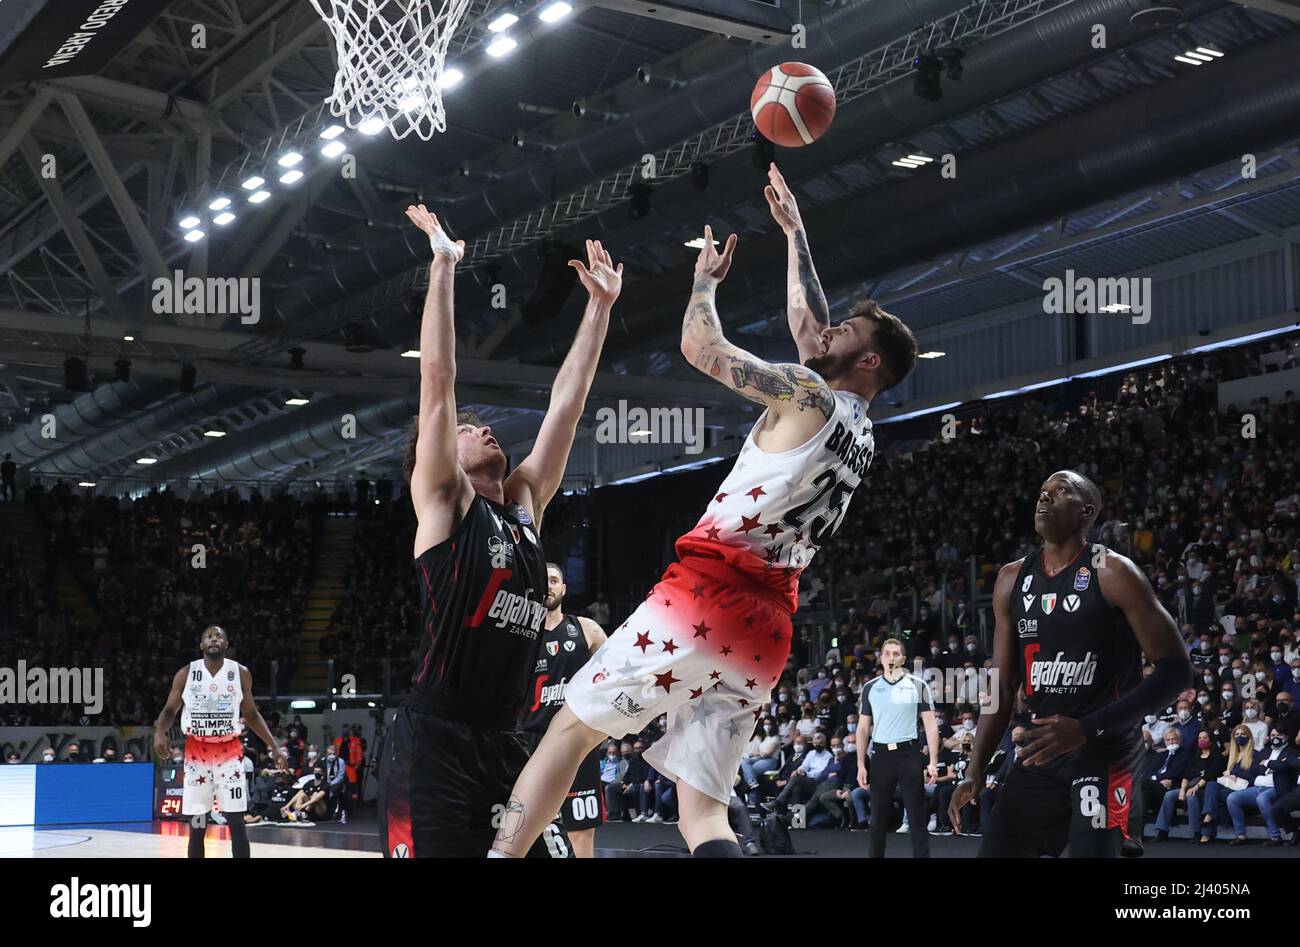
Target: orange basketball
x=793 y=104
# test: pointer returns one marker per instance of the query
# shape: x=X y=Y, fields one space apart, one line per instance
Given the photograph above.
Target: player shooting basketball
x=709 y=641
x=453 y=751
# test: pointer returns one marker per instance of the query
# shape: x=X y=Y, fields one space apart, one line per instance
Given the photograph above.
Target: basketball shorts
x=444 y=785
x=706 y=652
x=1080 y=803
x=214 y=772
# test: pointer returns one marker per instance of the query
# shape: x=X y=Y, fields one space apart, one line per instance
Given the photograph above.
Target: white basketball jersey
x=212 y=701
x=779 y=509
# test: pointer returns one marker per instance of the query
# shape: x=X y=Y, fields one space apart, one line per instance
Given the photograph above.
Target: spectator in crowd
x=994 y=781
x=1252 y=718
x=1239 y=773
x=1203 y=768
x=308 y=804
x=1168 y=772
x=612 y=769
x=1274 y=775
x=762 y=753
x=8 y=479
x=803 y=781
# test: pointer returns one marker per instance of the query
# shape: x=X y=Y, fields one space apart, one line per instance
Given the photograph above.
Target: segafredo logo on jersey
x=551 y=694
x=510 y=608
x=58 y=685
x=1111 y=294
x=210 y=296
x=1058 y=674
x=624 y=425
x=74 y=900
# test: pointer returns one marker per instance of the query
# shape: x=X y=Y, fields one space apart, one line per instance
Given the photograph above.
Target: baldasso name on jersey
x=853 y=450
x=509 y=608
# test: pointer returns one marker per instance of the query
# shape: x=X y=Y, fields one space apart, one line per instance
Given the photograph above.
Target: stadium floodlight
x=253 y=183
x=221 y=203
x=190 y=222
x=503 y=22
x=499 y=47
x=259 y=197
x=223 y=218
x=291 y=177
x=451 y=78
x=289 y=160
x=371 y=126
x=146 y=461
x=554 y=12
x=333 y=149
x=332 y=132
x=194 y=236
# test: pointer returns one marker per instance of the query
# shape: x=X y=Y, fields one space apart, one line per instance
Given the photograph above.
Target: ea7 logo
x=1071 y=603
x=1049 y=602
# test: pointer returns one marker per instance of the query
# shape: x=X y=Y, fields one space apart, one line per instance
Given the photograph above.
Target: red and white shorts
x=214 y=771
x=705 y=651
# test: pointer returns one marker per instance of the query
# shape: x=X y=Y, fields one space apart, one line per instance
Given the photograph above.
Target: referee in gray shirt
x=887 y=718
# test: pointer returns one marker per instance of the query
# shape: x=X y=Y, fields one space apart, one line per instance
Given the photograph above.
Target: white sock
x=493 y=853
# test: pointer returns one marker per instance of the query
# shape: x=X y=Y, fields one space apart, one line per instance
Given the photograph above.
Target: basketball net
x=391 y=55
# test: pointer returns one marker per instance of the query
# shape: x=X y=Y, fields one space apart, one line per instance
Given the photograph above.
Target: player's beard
x=552 y=602
x=831 y=366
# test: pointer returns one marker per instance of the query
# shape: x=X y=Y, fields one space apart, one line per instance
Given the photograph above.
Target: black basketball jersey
x=481 y=591
x=1077 y=651
x=563 y=653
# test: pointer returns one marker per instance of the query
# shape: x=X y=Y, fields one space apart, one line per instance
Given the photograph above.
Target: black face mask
x=1278 y=742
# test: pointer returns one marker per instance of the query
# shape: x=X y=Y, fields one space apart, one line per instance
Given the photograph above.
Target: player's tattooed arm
x=806 y=308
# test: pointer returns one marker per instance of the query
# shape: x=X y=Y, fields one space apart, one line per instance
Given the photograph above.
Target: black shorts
x=584 y=807
x=1079 y=802
x=444 y=785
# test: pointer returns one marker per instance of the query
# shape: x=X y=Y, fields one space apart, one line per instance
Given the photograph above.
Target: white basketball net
x=391 y=55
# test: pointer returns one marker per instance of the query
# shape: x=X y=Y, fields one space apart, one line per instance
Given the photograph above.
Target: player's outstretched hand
x=780 y=200
x=442 y=245
x=600 y=277
x=711 y=265
x=960 y=797
x=1051 y=737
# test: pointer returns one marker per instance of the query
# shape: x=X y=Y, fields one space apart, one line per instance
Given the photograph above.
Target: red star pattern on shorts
x=749 y=621
x=715 y=675
x=642 y=641
x=719 y=498
x=773 y=530
x=702 y=630
x=751 y=683
x=666 y=681
x=697 y=591
x=696 y=692
x=747 y=523
x=758 y=713
x=743 y=702
x=756 y=492
x=669 y=646
x=726 y=649
x=712 y=532
x=668 y=603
